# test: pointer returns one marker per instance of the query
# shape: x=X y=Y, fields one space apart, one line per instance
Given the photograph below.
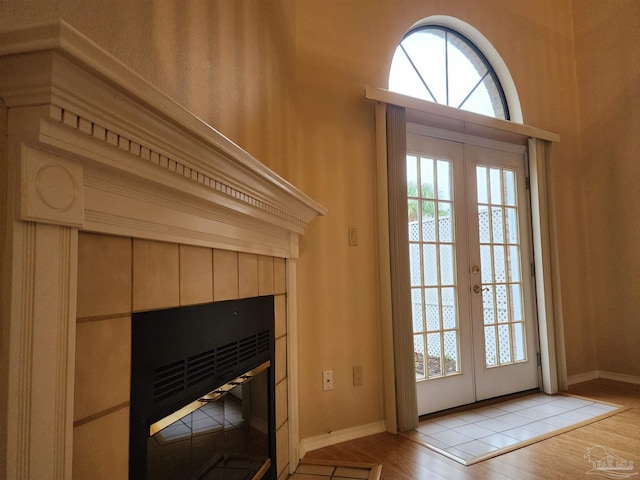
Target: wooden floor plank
x=559 y=457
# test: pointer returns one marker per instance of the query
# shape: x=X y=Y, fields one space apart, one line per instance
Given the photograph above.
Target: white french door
x=474 y=327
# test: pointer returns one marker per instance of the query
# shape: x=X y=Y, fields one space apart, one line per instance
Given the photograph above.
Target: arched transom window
x=438 y=64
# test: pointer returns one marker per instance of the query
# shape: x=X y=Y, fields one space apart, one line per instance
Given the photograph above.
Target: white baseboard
x=586 y=376
x=582 y=377
x=620 y=377
x=328 y=439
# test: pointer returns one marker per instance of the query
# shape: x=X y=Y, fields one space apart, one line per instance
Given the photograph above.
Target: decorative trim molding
x=51 y=189
x=595 y=374
x=25 y=363
x=175 y=166
x=582 y=377
x=327 y=439
x=620 y=377
x=140 y=132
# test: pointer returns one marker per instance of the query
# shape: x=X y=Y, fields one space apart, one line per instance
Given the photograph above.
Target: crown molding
x=78 y=102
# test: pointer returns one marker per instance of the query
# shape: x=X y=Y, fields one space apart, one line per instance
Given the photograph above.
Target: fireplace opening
x=203 y=392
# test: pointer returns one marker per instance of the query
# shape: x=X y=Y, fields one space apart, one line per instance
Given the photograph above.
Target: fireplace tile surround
x=112 y=208
x=149 y=275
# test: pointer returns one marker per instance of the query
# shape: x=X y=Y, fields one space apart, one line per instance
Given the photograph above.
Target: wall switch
x=357 y=375
x=353 y=237
x=327 y=380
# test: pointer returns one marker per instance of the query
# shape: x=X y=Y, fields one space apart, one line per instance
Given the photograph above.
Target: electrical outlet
x=327 y=380
x=353 y=237
x=357 y=375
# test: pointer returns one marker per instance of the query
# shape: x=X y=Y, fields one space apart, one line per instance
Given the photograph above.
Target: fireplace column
x=38 y=306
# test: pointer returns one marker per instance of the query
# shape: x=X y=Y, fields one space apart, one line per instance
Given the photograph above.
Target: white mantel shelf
x=94 y=147
x=96 y=112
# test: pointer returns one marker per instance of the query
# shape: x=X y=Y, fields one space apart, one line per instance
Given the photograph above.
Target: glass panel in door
x=437 y=262
x=503 y=317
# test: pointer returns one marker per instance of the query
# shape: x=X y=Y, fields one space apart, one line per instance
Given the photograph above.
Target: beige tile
x=103 y=365
x=281 y=403
x=196 y=275
x=279 y=275
x=352 y=473
x=155 y=275
x=225 y=275
x=265 y=275
x=311 y=469
x=247 y=275
x=104 y=275
x=282 y=448
x=280 y=311
x=281 y=359
x=101 y=448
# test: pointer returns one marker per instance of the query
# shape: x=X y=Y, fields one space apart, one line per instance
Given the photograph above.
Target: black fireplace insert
x=203 y=392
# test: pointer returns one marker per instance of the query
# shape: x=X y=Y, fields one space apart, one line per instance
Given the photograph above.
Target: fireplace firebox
x=203 y=392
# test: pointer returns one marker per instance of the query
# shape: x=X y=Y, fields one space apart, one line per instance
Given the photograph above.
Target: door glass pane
x=446 y=265
x=497 y=225
x=500 y=266
x=451 y=352
x=414 y=267
x=484 y=225
x=504 y=339
x=449 y=315
x=418 y=349
x=444 y=180
x=488 y=309
x=445 y=222
x=490 y=346
x=432 y=266
x=434 y=354
x=428 y=221
x=430 y=260
x=432 y=308
x=416 y=310
x=518 y=342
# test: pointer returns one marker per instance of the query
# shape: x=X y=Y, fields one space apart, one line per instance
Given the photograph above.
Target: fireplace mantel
x=94 y=147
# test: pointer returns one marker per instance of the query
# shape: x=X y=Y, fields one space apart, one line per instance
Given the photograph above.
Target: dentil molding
x=81 y=115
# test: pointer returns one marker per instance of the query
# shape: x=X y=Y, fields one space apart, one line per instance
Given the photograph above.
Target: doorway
x=470 y=263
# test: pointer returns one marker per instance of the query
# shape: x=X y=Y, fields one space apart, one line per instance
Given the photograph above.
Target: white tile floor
x=330 y=472
x=474 y=433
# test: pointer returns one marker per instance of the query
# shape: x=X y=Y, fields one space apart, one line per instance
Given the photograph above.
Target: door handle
x=478 y=289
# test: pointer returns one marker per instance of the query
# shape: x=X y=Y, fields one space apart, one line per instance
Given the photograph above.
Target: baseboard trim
x=327 y=439
x=582 y=377
x=620 y=377
x=594 y=374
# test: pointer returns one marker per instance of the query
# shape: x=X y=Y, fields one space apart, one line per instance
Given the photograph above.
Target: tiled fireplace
x=120 y=201
x=118 y=276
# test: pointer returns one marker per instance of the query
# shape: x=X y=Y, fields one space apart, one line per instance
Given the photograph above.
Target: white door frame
x=544 y=232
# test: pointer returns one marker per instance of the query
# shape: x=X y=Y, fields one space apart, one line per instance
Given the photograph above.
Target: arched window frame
x=484 y=47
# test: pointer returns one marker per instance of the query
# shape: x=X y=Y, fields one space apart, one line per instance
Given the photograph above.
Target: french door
x=474 y=327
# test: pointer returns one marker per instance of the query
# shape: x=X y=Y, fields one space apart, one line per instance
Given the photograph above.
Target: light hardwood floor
x=559 y=457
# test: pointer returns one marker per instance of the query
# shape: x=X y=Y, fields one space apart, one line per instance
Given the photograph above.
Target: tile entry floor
x=332 y=472
x=472 y=435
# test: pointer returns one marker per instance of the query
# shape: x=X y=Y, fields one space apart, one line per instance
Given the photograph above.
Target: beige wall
x=608 y=71
x=284 y=79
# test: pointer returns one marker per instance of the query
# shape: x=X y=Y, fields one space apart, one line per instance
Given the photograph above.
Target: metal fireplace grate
x=171 y=379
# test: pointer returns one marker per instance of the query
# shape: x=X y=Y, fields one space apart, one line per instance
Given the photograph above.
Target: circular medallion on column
x=56 y=187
